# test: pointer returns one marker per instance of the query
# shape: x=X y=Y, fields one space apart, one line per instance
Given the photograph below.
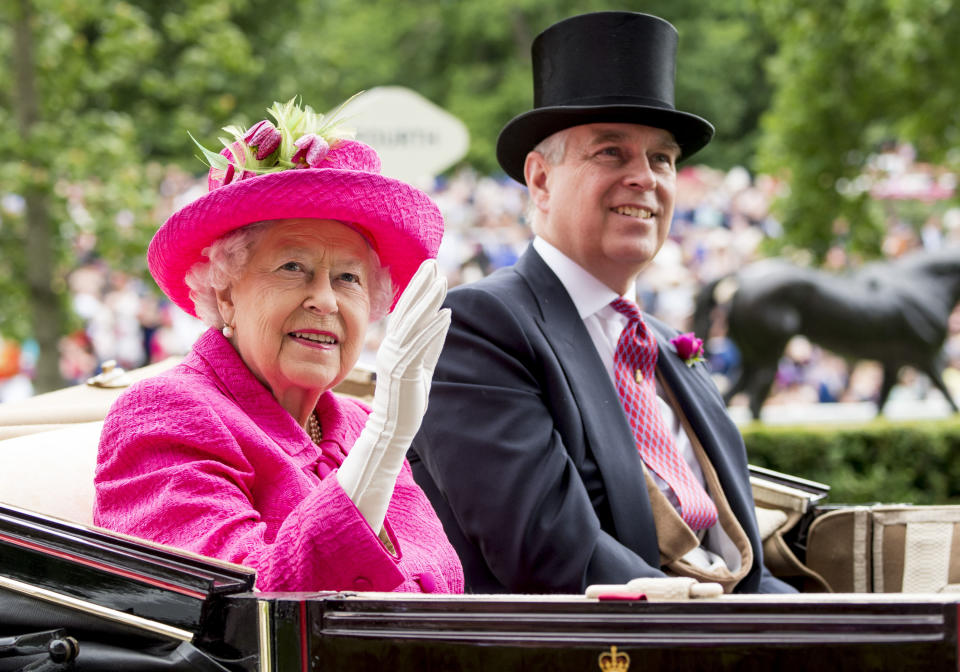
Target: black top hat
x=601 y=67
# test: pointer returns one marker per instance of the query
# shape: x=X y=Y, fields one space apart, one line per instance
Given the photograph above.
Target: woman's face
x=301 y=306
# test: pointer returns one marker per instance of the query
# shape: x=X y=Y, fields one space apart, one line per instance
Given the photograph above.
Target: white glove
x=405 y=363
x=659 y=588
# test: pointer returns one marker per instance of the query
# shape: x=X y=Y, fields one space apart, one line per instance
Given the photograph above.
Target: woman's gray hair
x=227 y=257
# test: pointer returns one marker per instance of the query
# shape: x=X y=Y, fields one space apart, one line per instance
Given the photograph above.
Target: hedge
x=876 y=462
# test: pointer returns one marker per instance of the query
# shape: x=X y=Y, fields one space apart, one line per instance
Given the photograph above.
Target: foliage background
x=866 y=463
x=96 y=97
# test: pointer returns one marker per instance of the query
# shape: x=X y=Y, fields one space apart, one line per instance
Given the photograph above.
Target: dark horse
x=894 y=312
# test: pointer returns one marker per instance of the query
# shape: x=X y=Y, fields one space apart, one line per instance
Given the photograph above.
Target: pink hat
x=297 y=169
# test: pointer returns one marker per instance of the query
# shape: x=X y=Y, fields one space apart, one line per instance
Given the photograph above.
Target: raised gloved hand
x=405 y=363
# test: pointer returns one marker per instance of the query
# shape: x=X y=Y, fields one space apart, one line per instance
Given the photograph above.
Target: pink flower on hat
x=263 y=137
x=311 y=150
x=227 y=172
x=689 y=347
x=301 y=138
x=333 y=177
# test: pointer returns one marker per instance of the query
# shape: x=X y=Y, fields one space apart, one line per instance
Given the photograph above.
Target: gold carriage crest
x=614 y=661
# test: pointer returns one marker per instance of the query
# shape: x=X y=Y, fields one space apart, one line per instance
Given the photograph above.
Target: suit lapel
x=609 y=437
x=701 y=403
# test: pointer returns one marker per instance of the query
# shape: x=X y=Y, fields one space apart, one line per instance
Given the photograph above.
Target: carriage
x=879 y=589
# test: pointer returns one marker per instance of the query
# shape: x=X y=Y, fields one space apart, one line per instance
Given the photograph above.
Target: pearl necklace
x=313 y=428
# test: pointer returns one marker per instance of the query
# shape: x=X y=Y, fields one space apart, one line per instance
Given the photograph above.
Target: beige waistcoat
x=676 y=538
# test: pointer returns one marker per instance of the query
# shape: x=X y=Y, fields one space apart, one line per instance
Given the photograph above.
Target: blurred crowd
x=721 y=219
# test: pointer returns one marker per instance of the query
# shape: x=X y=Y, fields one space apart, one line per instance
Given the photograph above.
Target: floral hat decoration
x=303 y=166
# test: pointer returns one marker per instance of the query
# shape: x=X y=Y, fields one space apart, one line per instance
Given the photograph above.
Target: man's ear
x=535 y=171
x=225 y=304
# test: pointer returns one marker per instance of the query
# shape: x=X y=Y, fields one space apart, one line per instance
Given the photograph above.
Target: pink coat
x=203 y=457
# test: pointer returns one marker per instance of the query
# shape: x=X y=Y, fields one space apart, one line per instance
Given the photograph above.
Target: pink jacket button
x=427 y=583
x=361 y=583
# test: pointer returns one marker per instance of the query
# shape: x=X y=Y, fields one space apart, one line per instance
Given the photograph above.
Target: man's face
x=609 y=202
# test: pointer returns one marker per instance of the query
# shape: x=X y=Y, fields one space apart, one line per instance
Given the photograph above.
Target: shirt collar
x=588 y=294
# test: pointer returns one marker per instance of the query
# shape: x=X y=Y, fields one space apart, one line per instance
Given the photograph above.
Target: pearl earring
x=227 y=331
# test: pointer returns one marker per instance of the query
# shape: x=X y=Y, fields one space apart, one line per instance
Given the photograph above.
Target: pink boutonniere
x=689 y=348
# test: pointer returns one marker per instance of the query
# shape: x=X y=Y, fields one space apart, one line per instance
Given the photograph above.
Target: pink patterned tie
x=634 y=363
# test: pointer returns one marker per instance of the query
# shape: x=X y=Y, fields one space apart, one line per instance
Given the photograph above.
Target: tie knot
x=626 y=308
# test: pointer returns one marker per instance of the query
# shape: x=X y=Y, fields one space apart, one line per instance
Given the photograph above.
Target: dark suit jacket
x=526 y=453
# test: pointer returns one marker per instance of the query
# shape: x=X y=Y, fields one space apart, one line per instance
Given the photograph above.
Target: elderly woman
x=242 y=452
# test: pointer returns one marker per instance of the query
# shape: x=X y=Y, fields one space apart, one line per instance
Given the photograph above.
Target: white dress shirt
x=604 y=324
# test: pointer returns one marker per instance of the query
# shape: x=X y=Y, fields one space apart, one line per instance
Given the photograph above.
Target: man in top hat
x=567 y=442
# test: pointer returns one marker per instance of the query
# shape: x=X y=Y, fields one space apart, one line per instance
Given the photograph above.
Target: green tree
x=473 y=59
x=89 y=106
x=96 y=97
x=848 y=76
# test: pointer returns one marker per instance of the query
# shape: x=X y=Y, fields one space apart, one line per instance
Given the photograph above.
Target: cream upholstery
x=48 y=443
x=52 y=472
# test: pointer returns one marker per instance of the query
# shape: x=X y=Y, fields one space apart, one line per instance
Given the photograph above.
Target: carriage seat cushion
x=52 y=472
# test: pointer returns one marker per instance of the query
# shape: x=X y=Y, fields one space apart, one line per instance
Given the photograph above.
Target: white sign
x=414 y=138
